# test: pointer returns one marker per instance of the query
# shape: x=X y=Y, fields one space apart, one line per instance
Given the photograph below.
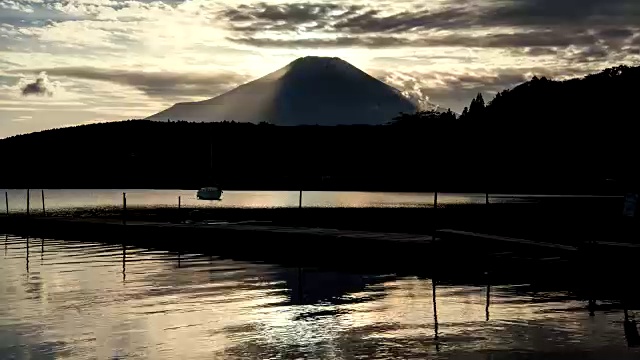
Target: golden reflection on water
x=66 y=199
x=74 y=301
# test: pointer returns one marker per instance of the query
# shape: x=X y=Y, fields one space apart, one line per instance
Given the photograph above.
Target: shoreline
x=511 y=242
x=557 y=220
x=538 y=223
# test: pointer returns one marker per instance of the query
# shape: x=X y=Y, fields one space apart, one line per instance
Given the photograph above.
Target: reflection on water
x=66 y=199
x=87 y=300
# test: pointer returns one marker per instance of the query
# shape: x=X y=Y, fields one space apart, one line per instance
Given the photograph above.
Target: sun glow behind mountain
x=309 y=91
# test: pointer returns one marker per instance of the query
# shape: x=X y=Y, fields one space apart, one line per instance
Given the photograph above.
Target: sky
x=75 y=62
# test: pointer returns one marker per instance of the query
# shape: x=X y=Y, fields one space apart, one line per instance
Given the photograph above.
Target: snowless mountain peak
x=311 y=62
x=311 y=90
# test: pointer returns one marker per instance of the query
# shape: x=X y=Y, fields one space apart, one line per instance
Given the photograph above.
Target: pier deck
x=263 y=240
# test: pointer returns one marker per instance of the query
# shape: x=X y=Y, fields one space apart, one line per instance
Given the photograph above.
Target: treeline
x=543 y=136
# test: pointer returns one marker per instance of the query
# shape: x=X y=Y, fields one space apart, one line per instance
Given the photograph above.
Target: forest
x=543 y=136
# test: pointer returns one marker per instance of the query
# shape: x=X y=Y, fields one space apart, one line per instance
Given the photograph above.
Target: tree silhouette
x=476 y=109
x=540 y=136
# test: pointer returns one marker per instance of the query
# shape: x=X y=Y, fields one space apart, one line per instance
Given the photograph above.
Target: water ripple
x=88 y=300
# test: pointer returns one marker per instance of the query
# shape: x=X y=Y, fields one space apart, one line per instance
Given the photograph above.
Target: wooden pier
x=263 y=240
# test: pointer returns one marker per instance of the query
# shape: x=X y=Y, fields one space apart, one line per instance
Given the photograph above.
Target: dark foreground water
x=71 y=300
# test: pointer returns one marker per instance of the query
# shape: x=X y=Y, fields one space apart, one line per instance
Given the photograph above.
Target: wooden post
x=44 y=210
x=6 y=201
x=433 y=219
x=28 y=200
x=124 y=208
x=300 y=203
x=179 y=206
x=486 y=199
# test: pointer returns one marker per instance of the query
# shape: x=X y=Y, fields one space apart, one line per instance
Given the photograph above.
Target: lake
x=73 y=300
x=73 y=199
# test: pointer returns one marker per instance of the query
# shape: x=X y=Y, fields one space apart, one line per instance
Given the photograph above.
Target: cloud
x=341 y=41
x=385 y=18
x=452 y=90
x=40 y=86
x=588 y=13
x=106 y=51
x=373 y=21
x=157 y=84
x=532 y=14
x=456 y=89
x=9 y=63
x=286 y=17
x=491 y=24
x=22 y=118
x=519 y=39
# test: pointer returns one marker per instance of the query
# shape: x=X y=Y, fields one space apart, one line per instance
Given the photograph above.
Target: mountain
x=542 y=136
x=308 y=91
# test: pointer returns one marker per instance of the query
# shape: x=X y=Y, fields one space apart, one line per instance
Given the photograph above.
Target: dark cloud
x=493 y=24
x=616 y=33
x=543 y=38
x=372 y=22
x=588 y=13
x=40 y=86
x=518 y=13
x=591 y=53
x=532 y=14
x=536 y=51
x=158 y=84
x=295 y=13
x=286 y=17
x=528 y=39
x=353 y=19
x=342 y=41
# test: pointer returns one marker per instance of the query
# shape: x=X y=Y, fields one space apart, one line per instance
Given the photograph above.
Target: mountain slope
x=308 y=91
x=542 y=137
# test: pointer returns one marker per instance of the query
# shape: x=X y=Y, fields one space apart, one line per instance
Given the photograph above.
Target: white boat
x=209 y=193
x=212 y=192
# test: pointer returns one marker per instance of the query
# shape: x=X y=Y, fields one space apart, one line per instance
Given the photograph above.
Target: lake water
x=71 y=300
x=70 y=199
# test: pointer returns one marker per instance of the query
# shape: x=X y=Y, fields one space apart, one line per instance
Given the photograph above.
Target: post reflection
x=221 y=308
x=488 y=302
x=631 y=330
x=27 y=254
x=435 y=315
x=124 y=263
x=297 y=297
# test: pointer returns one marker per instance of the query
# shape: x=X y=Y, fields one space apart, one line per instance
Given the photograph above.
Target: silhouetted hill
x=542 y=136
x=309 y=91
x=582 y=126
